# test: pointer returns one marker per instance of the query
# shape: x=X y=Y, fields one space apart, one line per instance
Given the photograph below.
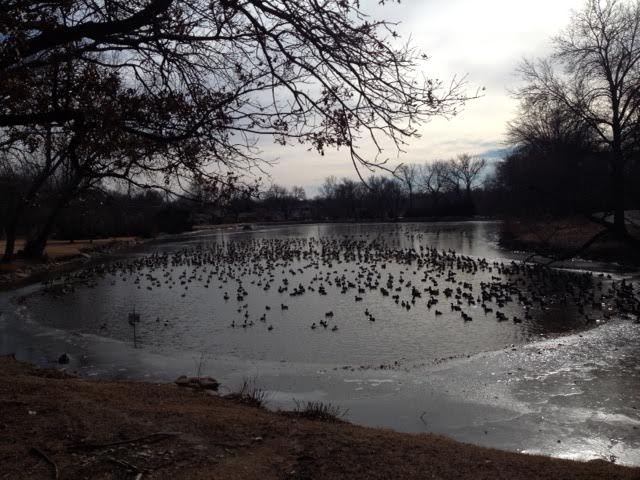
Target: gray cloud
x=485 y=40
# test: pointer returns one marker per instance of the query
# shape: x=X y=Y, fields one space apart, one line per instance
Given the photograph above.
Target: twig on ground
x=580 y=249
x=227 y=445
x=566 y=256
x=46 y=458
x=124 y=464
x=154 y=437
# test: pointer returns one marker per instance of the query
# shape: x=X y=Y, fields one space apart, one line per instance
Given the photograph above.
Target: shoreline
x=21 y=273
x=97 y=428
x=558 y=238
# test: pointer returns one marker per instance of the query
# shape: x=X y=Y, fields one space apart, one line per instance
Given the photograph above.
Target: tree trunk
x=618 y=191
x=435 y=203
x=20 y=209
x=34 y=248
x=11 y=232
x=470 y=208
x=10 y=245
x=619 y=225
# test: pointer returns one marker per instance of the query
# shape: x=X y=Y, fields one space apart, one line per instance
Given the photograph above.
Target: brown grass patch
x=114 y=429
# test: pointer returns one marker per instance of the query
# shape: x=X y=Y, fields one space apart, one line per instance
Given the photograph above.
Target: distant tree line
x=443 y=188
x=450 y=188
x=103 y=213
x=435 y=189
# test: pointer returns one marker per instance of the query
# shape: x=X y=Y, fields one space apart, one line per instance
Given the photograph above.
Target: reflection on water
x=371 y=295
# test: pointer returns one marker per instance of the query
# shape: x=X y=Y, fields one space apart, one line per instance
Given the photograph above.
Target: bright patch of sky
x=483 y=40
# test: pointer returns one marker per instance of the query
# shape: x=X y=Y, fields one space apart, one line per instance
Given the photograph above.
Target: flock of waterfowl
x=435 y=283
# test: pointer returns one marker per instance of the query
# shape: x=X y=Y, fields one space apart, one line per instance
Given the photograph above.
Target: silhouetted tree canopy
x=321 y=72
x=162 y=92
x=593 y=77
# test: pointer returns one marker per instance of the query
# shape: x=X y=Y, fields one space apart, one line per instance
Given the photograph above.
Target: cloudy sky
x=483 y=40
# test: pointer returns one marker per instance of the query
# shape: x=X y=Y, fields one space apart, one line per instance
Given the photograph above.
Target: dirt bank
x=61 y=257
x=105 y=429
x=566 y=237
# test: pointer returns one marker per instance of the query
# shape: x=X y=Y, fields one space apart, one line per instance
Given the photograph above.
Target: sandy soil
x=94 y=429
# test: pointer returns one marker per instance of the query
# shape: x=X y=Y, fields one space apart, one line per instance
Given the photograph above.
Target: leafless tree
x=329 y=187
x=539 y=127
x=409 y=175
x=384 y=196
x=319 y=72
x=197 y=82
x=298 y=193
x=434 y=179
x=465 y=171
x=595 y=74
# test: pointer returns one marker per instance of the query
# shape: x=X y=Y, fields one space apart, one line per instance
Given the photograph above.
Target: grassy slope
x=221 y=438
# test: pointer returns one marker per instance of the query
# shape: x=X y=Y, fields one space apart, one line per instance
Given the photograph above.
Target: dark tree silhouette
x=556 y=165
x=330 y=73
x=594 y=73
x=190 y=85
x=435 y=179
x=465 y=170
x=408 y=175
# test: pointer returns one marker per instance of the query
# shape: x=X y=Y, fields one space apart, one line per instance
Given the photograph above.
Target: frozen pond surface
x=498 y=381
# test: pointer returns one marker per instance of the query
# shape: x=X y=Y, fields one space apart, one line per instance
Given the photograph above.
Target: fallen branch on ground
x=153 y=437
x=124 y=464
x=46 y=458
x=580 y=249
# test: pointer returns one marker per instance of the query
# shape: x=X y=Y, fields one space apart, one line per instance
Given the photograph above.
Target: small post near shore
x=134 y=318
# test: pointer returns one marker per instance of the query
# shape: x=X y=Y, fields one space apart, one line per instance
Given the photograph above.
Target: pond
x=389 y=320
x=355 y=294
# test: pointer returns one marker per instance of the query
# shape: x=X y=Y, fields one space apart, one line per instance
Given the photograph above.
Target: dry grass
x=559 y=233
x=57 y=249
x=61 y=256
x=250 y=394
x=103 y=430
x=319 y=411
x=565 y=236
